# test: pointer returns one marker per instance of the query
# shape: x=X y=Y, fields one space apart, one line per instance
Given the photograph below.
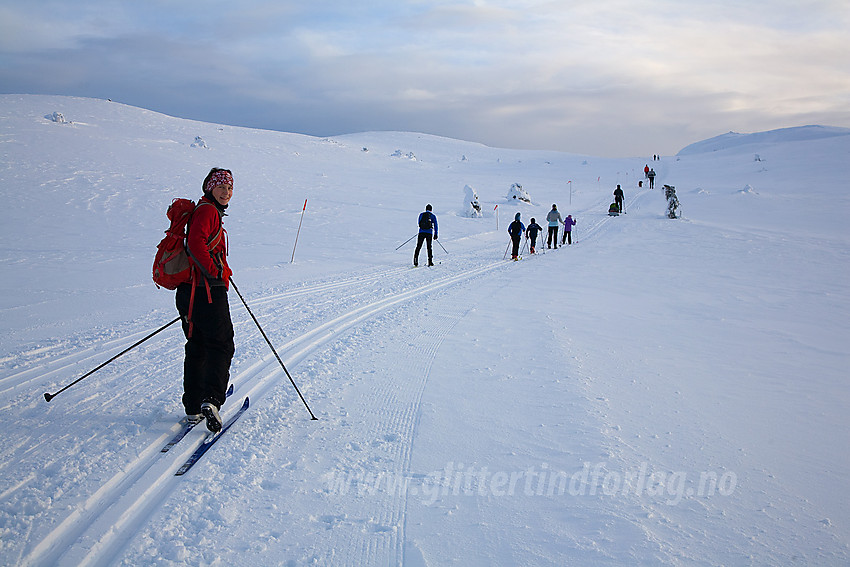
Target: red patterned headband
x=220 y=177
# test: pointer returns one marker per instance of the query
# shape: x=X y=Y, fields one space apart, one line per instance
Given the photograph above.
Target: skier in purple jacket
x=569 y=223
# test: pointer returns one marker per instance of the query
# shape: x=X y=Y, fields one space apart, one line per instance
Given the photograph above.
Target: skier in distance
x=427 y=231
x=554 y=218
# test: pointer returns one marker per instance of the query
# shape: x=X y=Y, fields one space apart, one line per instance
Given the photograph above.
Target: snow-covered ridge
x=734 y=139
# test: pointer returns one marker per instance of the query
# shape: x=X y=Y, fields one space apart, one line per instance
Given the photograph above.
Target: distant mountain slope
x=734 y=139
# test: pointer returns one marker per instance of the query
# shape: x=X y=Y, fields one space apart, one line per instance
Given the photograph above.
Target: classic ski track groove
x=172 y=354
x=93 y=533
x=591 y=232
x=73 y=356
x=406 y=420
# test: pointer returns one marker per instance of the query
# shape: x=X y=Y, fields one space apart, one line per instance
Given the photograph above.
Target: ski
x=209 y=440
x=186 y=426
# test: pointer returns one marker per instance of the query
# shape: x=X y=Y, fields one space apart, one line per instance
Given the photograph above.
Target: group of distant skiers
x=617 y=206
x=428 y=231
x=517 y=229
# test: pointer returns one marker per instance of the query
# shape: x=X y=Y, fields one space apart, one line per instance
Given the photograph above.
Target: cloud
x=612 y=77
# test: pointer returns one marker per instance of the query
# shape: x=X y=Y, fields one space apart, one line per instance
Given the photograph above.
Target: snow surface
x=663 y=392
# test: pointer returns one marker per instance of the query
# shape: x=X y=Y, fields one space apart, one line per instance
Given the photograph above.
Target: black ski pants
x=553 y=237
x=423 y=237
x=515 y=250
x=209 y=349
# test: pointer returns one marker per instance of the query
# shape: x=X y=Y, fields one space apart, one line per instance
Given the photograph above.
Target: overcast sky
x=601 y=77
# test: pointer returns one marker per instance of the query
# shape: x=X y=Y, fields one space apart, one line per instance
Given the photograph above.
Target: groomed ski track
x=310 y=324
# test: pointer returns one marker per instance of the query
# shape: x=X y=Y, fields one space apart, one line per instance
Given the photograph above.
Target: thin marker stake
x=297 y=233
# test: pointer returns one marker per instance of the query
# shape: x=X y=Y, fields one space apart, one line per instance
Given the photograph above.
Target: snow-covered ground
x=663 y=392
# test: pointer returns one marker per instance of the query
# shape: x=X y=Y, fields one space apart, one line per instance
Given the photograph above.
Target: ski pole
x=506 y=251
x=288 y=375
x=406 y=241
x=441 y=246
x=48 y=396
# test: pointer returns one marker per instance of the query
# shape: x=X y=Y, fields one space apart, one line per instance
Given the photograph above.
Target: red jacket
x=206 y=243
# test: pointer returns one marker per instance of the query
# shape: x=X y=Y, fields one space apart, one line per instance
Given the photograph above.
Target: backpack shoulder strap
x=213 y=240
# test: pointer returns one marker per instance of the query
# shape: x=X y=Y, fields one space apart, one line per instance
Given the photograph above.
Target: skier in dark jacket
x=531 y=233
x=204 y=310
x=618 y=198
x=516 y=230
x=427 y=231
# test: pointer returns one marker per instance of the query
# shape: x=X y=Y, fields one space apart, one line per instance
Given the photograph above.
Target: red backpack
x=171 y=265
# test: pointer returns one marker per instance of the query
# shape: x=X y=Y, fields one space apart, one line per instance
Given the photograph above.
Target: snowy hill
x=782 y=135
x=662 y=392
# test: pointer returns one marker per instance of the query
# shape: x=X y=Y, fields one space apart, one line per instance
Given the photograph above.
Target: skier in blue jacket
x=427 y=231
x=516 y=230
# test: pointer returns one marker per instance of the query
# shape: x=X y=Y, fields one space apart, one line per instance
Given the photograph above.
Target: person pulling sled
x=618 y=198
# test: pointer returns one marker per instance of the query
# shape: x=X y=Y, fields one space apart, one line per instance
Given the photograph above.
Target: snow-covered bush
x=199 y=143
x=672 y=201
x=471 y=205
x=518 y=193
